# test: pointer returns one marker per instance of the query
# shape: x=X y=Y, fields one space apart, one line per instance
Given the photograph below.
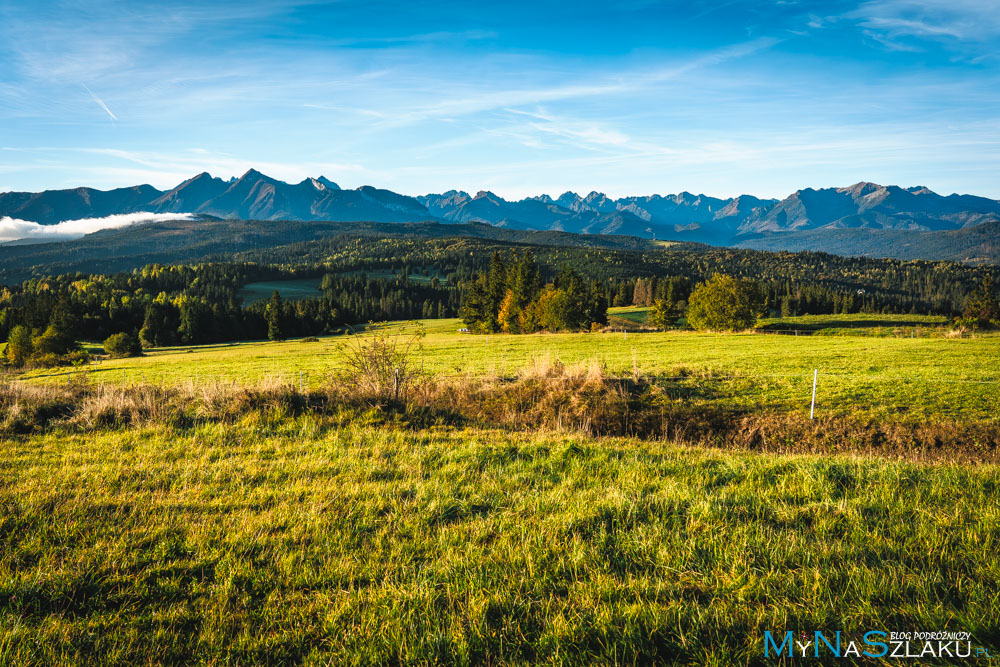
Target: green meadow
x=923 y=376
x=278 y=532
x=281 y=540
x=305 y=288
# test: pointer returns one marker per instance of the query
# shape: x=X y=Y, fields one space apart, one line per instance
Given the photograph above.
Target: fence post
x=812 y=410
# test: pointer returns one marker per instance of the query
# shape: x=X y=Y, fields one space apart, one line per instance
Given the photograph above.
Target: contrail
x=99 y=101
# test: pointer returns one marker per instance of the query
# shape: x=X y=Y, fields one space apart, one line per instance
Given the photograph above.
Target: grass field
x=852 y=324
x=279 y=540
x=226 y=529
x=308 y=288
x=305 y=288
x=636 y=315
x=894 y=376
x=389 y=274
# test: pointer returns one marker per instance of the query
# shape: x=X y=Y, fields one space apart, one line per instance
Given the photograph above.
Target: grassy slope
x=628 y=314
x=306 y=288
x=881 y=375
x=277 y=540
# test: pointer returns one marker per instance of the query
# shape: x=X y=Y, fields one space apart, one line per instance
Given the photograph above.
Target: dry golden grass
x=545 y=395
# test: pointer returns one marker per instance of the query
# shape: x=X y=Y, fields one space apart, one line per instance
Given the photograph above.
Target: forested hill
x=360 y=275
x=979 y=244
x=189 y=241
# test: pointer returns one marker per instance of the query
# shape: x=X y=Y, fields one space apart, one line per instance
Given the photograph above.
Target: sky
x=520 y=98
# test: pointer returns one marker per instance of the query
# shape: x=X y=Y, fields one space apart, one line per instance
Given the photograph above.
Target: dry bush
x=382 y=365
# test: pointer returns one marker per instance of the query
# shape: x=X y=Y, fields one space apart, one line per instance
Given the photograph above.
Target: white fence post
x=812 y=410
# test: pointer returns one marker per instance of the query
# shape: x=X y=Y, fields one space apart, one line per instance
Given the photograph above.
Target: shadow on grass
x=847 y=324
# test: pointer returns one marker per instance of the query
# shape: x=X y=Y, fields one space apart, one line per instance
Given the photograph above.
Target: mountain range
x=820 y=219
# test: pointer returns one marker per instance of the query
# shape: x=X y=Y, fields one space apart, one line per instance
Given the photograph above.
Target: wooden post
x=812 y=410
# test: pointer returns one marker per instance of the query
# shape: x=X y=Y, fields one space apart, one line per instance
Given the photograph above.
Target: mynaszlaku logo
x=871 y=644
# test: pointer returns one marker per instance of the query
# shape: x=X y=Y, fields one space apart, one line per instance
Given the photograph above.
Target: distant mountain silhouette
x=54 y=206
x=872 y=206
x=975 y=244
x=683 y=216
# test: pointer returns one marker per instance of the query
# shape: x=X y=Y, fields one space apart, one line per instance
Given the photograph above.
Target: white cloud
x=962 y=22
x=12 y=229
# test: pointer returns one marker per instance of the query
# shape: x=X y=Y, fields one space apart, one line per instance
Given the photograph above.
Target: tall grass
x=882 y=378
x=546 y=395
x=477 y=520
x=275 y=540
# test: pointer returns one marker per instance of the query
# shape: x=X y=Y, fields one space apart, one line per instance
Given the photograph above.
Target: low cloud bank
x=12 y=229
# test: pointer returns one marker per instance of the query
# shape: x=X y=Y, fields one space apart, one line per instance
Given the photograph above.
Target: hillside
x=193 y=240
x=978 y=244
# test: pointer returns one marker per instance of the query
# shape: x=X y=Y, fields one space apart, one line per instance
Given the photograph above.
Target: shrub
x=122 y=345
x=53 y=342
x=553 y=309
x=381 y=365
x=982 y=309
x=663 y=314
x=19 y=347
x=724 y=303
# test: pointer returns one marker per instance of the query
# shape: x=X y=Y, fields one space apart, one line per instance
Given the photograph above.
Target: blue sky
x=631 y=97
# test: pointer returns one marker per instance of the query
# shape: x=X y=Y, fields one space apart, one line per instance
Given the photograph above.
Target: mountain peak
x=327 y=183
x=568 y=198
x=253 y=174
x=862 y=188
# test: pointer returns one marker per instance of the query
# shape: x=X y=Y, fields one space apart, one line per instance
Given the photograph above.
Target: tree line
x=372 y=279
x=44 y=318
x=510 y=297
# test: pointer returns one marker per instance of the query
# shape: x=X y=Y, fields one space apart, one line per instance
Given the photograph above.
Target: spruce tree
x=274 y=318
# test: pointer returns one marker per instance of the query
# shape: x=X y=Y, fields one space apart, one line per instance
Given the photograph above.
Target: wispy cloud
x=12 y=229
x=966 y=25
x=99 y=101
x=113 y=167
x=421 y=38
x=474 y=99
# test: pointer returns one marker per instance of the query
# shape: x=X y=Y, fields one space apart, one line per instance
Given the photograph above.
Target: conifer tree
x=274 y=315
